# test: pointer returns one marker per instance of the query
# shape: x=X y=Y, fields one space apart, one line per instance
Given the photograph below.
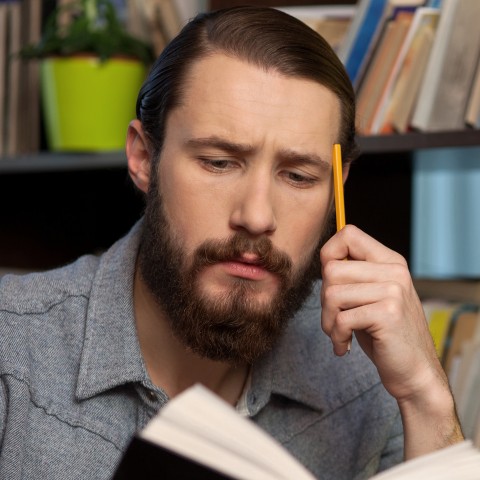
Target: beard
x=233 y=327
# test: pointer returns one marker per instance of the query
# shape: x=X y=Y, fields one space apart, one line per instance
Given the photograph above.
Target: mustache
x=233 y=248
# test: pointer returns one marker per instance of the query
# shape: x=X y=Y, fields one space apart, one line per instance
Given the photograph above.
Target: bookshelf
x=370 y=145
x=56 y=206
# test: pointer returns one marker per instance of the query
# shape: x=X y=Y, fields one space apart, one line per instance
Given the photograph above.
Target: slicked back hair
x=264 y=37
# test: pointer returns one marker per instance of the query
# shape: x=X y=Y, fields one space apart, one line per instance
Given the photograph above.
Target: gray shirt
x=74 y=388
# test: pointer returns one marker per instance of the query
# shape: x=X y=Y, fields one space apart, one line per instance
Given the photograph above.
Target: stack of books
x=453 y=315
x=415 y=65
x=20 y=24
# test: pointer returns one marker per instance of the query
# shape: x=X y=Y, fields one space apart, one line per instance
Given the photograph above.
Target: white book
x=472 y=114
x=449 y=73
x=198 y=435
x=423 y=16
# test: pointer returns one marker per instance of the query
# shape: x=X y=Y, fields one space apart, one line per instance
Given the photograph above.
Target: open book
x=199 y=436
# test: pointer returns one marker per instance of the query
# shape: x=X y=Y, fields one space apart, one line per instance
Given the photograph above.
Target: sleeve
x=393 y=452
x=3 y=410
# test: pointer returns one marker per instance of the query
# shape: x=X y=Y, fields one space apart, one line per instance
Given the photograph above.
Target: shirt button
x=152 y=395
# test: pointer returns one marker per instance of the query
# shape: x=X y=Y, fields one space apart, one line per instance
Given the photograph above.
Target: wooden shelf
x=418 y=141
x=56 y=162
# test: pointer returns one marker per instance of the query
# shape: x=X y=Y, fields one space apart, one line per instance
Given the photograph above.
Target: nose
x=253 y=207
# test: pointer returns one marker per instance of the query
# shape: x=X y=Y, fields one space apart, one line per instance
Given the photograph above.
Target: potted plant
x=91 y=70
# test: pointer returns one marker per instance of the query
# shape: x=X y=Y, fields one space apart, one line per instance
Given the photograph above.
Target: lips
x=247 y=267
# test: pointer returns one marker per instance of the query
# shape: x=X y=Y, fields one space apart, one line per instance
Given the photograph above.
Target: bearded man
x=218 y=283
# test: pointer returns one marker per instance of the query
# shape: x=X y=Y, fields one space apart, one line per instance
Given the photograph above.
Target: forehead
x=235 y=98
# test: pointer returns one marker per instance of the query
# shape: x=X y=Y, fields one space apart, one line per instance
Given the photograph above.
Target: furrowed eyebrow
x=220 y=144
x=305 y=159
x=245 y=149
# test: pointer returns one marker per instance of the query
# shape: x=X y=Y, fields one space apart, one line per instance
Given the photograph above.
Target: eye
x=299 y=179
x=217 y=165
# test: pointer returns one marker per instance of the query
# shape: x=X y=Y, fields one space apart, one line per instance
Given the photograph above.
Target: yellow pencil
x=338 y=185
x=338 y=192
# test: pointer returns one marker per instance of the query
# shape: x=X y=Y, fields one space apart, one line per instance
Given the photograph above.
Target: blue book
x=363 y=31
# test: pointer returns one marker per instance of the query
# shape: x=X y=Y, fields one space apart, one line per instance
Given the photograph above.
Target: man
x=232 y=147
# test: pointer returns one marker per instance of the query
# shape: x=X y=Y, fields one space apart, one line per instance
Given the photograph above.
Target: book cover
x=462 y=328
x=200 y=428
x=401 y=88
x=379 y=70
x=29 y=88
x=150 y=461
x=472 y=114
x=330 y=21
x=361 y=35
x=197 y=435
x=364 y=33
x=466 y=385
x=444 y=92
x=13 y=78
x=3 y=68
x=406 y=90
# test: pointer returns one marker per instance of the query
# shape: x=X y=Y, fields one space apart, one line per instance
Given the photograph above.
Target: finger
x=370 y=325
x=351 y=242
x=337 y=272
x=345 y=298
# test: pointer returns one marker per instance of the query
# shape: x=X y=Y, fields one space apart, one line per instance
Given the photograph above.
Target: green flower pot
x=87 y=104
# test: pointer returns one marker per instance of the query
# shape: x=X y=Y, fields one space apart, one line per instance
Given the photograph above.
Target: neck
x=170 y=364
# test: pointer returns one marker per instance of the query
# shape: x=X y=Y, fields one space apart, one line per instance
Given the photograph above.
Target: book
x=330 y=21
x=466 y=385
x=476 y=440
x=28 y=105
x=400 y=92
x=198 y=435
x=3 y=68
x=168 y=18
x=187 y=9
x=406 y=90
x=200 y=426
x=446 y=84
x=364 y=32
x=360 y=37
x=377 y=75
x=155 y=21
x=13 y=78
x=472 y=114
x=460 y=461
x=439 y=314
x=462 y=328
x=142 y=22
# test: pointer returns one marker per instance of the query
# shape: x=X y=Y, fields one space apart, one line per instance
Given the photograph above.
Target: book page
x=460 y=461
x=216 y=428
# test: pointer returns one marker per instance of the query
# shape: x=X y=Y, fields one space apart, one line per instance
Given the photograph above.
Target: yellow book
x=439 y=316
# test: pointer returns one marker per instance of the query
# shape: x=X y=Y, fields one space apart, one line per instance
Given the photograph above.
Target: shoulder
x=35 y=293
x=43 y=313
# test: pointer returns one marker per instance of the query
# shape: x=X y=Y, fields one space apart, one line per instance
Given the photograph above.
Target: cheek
x=304 y=229
x=194 y=211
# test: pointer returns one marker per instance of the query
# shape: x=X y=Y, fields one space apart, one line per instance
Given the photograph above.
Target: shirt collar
x=301 y=367
x=111 y=353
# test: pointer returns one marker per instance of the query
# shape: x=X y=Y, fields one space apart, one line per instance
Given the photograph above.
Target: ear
x=138 y=155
